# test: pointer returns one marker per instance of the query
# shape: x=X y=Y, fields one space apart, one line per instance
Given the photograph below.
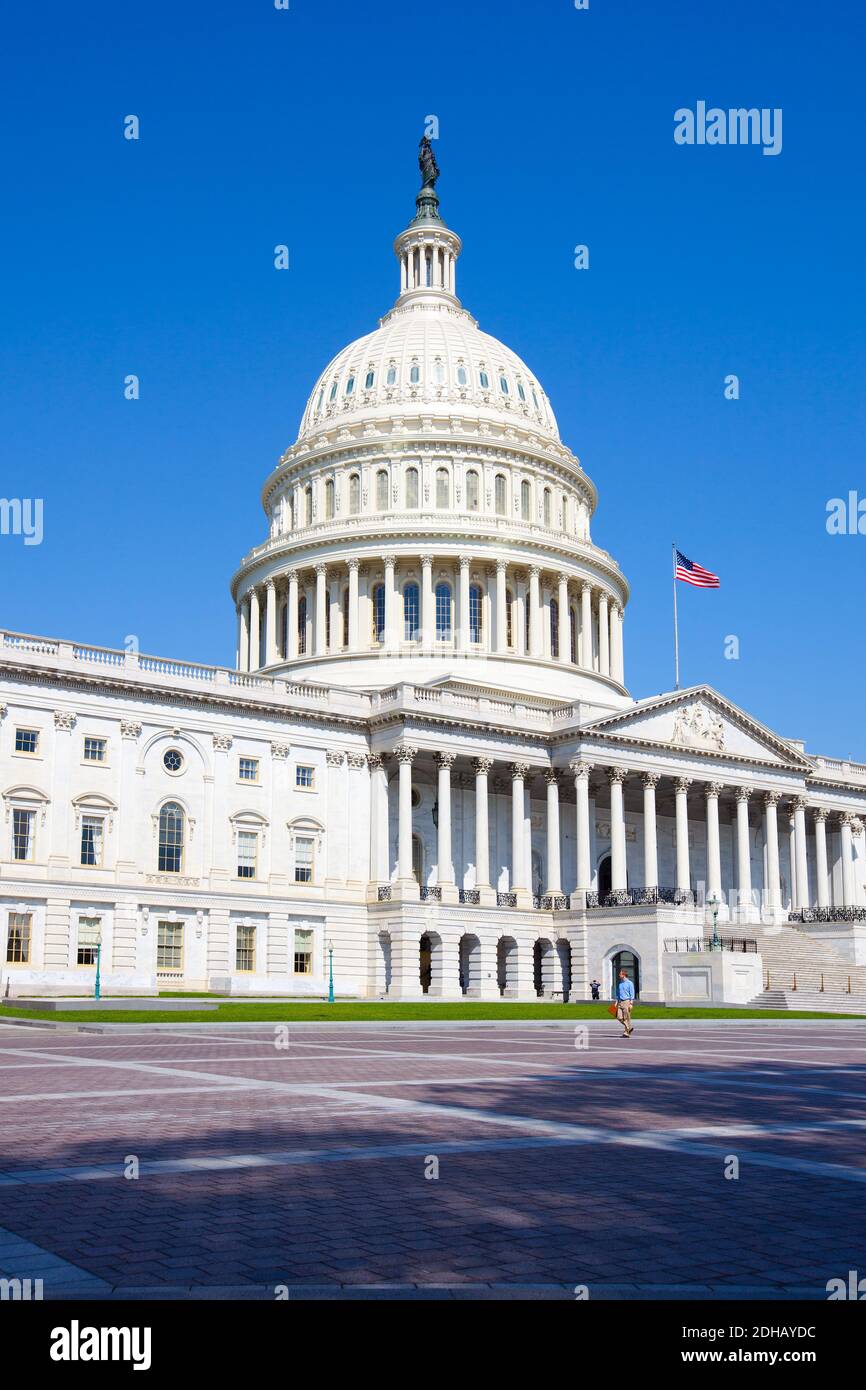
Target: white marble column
x=618 y=873
x=482 y=833
x=802 y=899
x=684 y=881
x=617 y=669
x=535 y=646
x=603 y=635
x=772 y=894
x=650 y=836
x=586 y=626
x=380 y=868
x=582 y=826
x=321 y=629
x=352 y=635
x=405 y=755
x=822 y=880
x=255 y=631
x=518 y=614
x=463 y=605
x=392 y=639
x=292 y=617
x=244 y=634
x=518 y=847
x=846 y=833
x=501 y=607
x=744 y=854
x=714 y=857
x=554 y=870
x=445 y=861
x=564 y=625
x=428 y=614
x=270 y=623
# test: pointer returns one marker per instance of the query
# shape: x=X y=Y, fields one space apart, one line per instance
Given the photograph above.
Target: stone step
x=810 y=1001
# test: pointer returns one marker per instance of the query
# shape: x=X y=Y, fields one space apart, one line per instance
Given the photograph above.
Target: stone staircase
x=801 y=972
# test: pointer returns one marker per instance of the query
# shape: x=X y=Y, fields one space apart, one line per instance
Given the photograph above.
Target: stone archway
x=430 y=963
x=506 y=966
x=624 y=958
x=563 y=951
x=470 y=965
x=544 y=967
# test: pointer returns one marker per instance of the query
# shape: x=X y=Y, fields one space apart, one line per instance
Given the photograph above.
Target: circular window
x=172 y=760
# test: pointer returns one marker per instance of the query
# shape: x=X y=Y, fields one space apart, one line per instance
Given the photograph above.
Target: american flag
x=690 y=573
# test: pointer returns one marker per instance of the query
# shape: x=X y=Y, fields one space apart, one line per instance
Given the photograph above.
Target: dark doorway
x=426 y=964
x=604 y=878
x=627 y=961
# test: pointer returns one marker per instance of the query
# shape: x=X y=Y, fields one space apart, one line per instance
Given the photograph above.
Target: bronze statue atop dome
x=427 y=163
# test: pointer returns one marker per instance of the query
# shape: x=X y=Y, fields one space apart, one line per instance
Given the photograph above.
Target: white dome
x=428 y=353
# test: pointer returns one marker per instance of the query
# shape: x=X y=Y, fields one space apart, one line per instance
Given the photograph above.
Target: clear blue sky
x=261 y=126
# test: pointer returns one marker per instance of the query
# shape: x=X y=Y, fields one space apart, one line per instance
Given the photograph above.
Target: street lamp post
x=330 y=972
x=96 y=991
x=716 y=940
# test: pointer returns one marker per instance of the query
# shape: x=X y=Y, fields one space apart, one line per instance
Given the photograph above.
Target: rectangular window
x=443 y=613
x=26 y=740
x=169 y=948
x=475 y=606
x=95 y=749
x=18 y=938
x=23 y=834
x=304 y=859
x=303 y=951
x=92 y=828
x=89 y=936
x=245 y=948
x=248 y=769
x=248 y=849
x=305 y=777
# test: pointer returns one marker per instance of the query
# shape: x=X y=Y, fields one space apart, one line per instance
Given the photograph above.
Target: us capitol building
x=427 y=760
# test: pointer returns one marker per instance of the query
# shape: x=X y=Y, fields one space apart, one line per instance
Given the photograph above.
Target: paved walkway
x=297 y=1159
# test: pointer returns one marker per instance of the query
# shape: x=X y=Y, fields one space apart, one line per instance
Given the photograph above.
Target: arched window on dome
x=370 y=380
x=443 y=612
x=308 y=505
x=354 y=494
x=520 y=391
x=378 y=612
x=554 y=628
x=483 y=380
x=525 y=500
x=535 y=400
x=503 y=384
x=547 y=506
x=382 y=490
x=411 y=487
x=509 y=619
x=332 y=396
x=391 y=377
x=411 y=613
x=462 y=376
x=438 y=373
x=472 y=491
x=329 y=499
x=171 y=838
x=500 y=494
x=302 y=625
x=572 y=628
x=414 y=374
x=476 y=613
x=443 y=488
x=320 y=401
x=350 y=385
x=566 y=513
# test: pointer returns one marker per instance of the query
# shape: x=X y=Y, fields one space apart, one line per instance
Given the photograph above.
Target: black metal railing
x=506 y=899
x=431 y=895
x=384 y=892
x=684 y=944
x=469 y=895
x=642 y=897
x=829 y=914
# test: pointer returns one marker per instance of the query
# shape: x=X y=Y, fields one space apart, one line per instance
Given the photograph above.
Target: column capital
x=405 y=753
x=551 y=776
x=427 y=562
x=798 y=803
x=562 y=578
x=356 y=759
x=519 y=770
x=445 y=760
x=353 y=564
x=279 y=750
x=534 y=571
x=270 y=584
x=129 y=728
x=682 y=784
x=846 y=818
x=64 y=719
x=651 y=780
x=334 y=757
x=743 y=794
x=482 y=766
x=713 y=789
x=389 y=561
x=617 y=607
x=251 y=593
x=375 y=761
x=586 y=587
x=222 y=743
x=292 y=575
x=464 y=561
x=821 y=814
x=581 y=770
x=501 y=566
x=616 y=774
x=771 y=799
x=321 y=570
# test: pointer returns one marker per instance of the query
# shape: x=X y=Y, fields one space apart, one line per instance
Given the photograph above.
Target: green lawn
x=377 y=1012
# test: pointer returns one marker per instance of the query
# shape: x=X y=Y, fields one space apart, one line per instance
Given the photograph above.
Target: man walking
x=624 y=1003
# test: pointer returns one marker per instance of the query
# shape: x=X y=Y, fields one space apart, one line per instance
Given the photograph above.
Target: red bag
x=612 y=1008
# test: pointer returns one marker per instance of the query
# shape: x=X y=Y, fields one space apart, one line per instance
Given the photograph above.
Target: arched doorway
x=563 y=951
x=470 y=965
x=426 y=964
x=543 y=967
x=605 y=878
x=383 y=963
x=625 y=960
x=430 y=963
x=506 y=965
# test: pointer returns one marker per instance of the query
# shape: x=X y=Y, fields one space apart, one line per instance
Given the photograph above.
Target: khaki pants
x=623 y=1013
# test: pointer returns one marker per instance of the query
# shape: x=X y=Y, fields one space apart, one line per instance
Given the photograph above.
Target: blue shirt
x=625 y=990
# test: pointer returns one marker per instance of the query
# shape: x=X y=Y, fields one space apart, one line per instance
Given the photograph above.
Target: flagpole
x=676 y=624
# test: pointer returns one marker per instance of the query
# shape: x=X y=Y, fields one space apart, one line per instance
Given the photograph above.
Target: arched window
x=308 y=506
x=329 y=499
x=411 y=613
x=414 y=374
x=438 y=373
x=411 y=487
x=302 y=624
x=509 y=619
x=462 y=377
x=520 y=391
x=378 y=597
x=391 y=376
x=476 y=609
x=546 y=506
x=354 y=494
x=333 y=392
x=554 y=628
x=472 y=493
x=503 y=384
x=483 y=379
x=171 y=825
x=442 y=488
x=500 y=494
x=443 y=613
x=284 y=631
x=525 y=501
x=382 y=490
x=572 y=628
x=327 y=620
x=370 y=380
x=350 y=385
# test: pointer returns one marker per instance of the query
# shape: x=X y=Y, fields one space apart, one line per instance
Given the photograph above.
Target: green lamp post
x=330 y=972
x=96 y=989
x=716 y=940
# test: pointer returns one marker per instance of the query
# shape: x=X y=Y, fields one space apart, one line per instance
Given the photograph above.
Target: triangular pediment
x=698 y=720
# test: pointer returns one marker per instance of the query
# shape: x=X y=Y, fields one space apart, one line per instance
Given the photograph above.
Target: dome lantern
x=427 y=250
